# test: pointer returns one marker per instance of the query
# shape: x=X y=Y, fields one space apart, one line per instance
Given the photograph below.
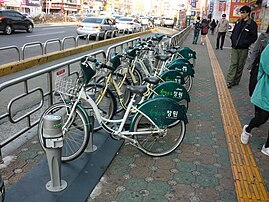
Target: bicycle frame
x=104 y=122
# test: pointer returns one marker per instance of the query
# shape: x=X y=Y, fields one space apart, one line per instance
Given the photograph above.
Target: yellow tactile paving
x=248 y=181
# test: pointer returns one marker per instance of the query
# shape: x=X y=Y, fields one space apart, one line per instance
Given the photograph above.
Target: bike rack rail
x=27 y=120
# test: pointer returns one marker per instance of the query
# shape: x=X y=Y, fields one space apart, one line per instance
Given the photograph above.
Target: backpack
x=255 y=68
x=197 y=25
x=205 y=30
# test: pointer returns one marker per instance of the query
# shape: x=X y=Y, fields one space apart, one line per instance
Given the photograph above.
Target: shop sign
x=193 y=3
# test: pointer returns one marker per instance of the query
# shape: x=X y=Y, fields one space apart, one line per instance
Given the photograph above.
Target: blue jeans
x=195 y=36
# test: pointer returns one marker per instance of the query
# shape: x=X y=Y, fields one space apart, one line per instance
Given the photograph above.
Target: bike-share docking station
x=53 y=143
x=81 y=174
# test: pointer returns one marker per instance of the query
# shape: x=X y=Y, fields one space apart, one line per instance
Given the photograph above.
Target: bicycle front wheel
x=76 y=137
x=158 y=144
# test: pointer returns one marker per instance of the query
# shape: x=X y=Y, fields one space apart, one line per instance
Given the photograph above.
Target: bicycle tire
x=104 y=99
x=138 y=77
x=188 y=82
x=126 y=94
x=157 y=145
x=76 y=139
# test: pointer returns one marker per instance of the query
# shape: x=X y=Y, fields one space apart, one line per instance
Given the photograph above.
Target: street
x=41 y=34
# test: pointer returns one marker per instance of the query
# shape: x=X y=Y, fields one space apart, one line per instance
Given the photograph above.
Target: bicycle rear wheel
x=76 y=137
x=158 y=144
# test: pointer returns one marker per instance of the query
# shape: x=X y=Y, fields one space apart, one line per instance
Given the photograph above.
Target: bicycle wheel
x=122 y=85
x=188 y=82
x=76 y=137
x=138 y=77
x=158 y=144
x=105 y=100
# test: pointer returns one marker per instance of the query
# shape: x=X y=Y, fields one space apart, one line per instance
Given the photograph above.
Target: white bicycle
x=155 y=130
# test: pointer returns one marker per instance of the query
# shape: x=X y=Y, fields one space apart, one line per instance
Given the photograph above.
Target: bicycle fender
x=79 y=105
x=182 y=60
x=183 y=68
x=163 y=111
x=172 y=75
x=187 y=53
x=173 y=90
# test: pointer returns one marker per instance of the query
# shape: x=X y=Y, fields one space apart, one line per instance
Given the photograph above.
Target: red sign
x=222 y=6
x=235 y=9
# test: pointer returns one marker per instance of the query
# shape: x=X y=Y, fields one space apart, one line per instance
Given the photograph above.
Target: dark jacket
x=254 y=60
x=204 y=28
x=243 y=36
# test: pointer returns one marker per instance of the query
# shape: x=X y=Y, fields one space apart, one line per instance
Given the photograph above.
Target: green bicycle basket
x=87 y=70
x=115 y=59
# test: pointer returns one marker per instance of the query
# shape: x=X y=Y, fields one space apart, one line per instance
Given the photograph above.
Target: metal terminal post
x=53 y=143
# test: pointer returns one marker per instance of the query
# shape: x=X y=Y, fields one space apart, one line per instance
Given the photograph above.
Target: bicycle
x=152 y=129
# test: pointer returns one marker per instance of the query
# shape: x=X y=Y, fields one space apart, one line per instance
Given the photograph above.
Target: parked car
x=117 y=17
x=168 y=22
x=75 y=17
x=158 y=21
x=95 y=25
x=144 y=20
x=11 y=20
x=130 y=24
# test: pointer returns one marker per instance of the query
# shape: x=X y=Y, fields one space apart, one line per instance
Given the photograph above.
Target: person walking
x=212 y=26
x=260 y=99
x=221 y=30
x=243 y=35
x=196 y=32
x=253 y=60
x=204 y=31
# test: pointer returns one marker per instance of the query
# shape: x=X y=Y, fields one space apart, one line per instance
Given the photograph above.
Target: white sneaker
x=245 y=135
x=265 y=150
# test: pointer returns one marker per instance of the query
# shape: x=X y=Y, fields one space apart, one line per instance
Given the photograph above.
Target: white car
x=96 y=25
x=144 y=20
x=130 y=24
x=168 y=22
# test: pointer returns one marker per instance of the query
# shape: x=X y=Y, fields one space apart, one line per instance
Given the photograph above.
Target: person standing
x=212 y=26
x=196 y=32
x=243 y=35
x=253 y=60
x=260 y=99
x=221 y=30
x=204 y=31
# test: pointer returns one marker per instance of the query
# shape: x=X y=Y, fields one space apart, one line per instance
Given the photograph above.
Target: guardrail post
x=53 y=143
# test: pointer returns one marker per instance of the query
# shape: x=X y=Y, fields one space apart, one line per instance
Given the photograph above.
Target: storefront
x=12 y=4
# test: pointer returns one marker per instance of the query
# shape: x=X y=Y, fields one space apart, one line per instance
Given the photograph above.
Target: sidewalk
x=200 y=169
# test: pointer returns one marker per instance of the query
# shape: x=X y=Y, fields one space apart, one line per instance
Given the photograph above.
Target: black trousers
x=221 y=35
x=261 y=116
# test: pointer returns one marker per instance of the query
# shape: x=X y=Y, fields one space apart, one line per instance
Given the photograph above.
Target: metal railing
x=43 y=46
x=40 y=85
